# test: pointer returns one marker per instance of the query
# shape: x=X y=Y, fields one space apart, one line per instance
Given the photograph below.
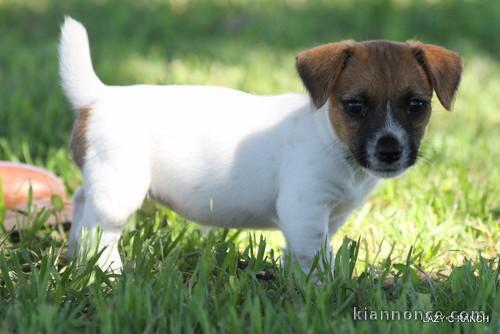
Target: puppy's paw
x=100 y=247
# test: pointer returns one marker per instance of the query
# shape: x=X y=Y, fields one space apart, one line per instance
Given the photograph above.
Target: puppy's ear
x=320 y=67
x=443 y=68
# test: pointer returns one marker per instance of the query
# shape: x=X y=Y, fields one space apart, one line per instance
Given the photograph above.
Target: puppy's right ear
x=320 y=67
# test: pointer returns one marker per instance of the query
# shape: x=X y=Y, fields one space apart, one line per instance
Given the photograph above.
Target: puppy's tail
x=80 y=83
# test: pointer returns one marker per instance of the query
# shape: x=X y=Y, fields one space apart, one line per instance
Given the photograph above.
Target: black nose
x=388 y=149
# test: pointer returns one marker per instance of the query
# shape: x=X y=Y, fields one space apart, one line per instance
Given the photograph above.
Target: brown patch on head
x=381 y=75
x=381 y=79
x=78 y=143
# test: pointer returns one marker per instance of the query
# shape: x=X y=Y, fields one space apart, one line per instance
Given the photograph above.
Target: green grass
x=443 y=217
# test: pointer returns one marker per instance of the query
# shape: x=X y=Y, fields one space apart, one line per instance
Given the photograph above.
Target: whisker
x=424 y=158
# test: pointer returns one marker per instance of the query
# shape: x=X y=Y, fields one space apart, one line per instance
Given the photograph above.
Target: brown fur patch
x=443 y=67
x=79 y=144
x=319 y=68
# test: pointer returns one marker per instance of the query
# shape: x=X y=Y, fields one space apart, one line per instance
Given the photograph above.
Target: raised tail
x=80 y=83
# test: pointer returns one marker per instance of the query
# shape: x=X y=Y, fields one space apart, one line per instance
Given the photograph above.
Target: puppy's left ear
x=320 y=67
x=443 y=68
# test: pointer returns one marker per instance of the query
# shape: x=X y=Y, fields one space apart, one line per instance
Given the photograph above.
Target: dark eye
x=417 y=107
x=355 y=108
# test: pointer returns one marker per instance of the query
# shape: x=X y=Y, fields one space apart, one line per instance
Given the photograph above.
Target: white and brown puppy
x=221 y=157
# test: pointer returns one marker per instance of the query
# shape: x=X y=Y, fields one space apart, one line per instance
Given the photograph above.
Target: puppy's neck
x=324 y=126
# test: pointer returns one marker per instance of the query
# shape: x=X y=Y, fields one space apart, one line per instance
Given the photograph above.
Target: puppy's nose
x=388 y=149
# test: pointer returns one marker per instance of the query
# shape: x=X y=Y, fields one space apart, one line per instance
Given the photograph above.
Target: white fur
x=81 y=84
x=217 y=156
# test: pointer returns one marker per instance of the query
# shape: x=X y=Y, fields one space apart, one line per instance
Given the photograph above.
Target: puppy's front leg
x=304 y=223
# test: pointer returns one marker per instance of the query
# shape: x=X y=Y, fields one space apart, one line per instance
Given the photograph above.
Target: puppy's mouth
x=381 y=169
x=386 y=173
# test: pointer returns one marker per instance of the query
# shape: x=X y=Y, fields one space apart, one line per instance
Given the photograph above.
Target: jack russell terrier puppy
x=300 y=163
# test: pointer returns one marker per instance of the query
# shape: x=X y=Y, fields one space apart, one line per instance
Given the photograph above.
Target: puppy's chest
x=350 y=195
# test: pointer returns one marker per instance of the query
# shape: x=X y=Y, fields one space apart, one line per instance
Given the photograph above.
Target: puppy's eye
x=416 y=107
x=355 y=108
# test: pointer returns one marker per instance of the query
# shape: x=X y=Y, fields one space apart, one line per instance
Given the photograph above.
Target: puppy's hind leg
x=78 y=207
x=111 y=196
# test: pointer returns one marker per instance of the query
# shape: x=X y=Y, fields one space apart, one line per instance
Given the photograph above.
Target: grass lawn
x=428 y=241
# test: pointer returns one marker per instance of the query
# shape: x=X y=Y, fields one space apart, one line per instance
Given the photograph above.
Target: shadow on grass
x=459 y=24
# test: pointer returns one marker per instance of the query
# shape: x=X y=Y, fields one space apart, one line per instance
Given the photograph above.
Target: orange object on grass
x=17 y=178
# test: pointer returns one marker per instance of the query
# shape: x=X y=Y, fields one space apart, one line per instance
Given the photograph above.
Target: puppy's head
x=379 y=95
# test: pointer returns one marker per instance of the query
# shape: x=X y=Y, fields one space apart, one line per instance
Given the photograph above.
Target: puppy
x=300 y=163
